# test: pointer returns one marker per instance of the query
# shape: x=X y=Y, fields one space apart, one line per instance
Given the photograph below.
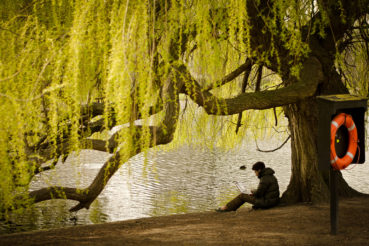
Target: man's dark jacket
x=267 y=193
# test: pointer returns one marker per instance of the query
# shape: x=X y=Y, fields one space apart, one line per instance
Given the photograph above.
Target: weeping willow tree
x=71 y=70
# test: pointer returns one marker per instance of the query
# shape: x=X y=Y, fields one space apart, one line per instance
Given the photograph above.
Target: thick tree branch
x=57 y=192
x=310 y=76
x=130 y=147
x=44 y=150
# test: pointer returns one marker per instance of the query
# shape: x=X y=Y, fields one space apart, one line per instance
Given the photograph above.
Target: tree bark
x=303 y=87
x=308 y=183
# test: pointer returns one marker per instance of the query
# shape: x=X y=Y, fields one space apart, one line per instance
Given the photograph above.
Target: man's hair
x=258 y=166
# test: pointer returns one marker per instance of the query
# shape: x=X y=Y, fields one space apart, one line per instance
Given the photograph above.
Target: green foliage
x=56 y=56
x=354 y=67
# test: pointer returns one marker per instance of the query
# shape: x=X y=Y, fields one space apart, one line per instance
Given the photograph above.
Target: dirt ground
x=301 y=224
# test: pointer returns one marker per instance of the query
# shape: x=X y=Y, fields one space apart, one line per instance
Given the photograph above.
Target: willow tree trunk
x=308 y=183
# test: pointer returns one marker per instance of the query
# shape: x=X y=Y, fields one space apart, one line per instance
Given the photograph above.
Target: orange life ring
x=348 y=122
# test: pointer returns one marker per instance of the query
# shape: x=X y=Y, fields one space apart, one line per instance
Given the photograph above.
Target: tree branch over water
x=161 y=134
x=303 y=88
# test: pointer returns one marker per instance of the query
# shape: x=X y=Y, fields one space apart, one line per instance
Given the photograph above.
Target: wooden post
x=329 y=106
x=333 y=200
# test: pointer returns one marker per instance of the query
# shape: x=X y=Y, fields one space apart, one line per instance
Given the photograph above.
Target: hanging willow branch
x=243 y=90
x=268 y=151
x=230 y=77
x=257 y=88
x=161 y=134
x=275 y=116
x=258 y=81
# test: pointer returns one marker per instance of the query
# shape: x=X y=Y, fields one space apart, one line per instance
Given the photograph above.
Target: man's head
x=257 y=167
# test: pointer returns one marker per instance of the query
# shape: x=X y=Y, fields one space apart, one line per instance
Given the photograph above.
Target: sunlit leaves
x=56 y=56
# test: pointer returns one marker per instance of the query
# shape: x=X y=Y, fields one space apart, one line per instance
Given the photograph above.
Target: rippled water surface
x=166 y=182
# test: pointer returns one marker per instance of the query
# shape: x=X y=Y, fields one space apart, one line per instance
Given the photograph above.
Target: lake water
x=184 y=180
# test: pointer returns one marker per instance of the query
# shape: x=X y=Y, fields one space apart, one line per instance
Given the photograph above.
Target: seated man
x=265 y=196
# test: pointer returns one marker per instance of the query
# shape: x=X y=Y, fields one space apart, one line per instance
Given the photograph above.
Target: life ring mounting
x=346 y=120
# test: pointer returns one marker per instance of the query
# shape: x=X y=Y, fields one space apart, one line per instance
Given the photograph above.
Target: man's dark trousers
x=239 y=200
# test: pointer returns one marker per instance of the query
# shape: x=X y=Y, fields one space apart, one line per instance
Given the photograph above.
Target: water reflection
x=179 y=181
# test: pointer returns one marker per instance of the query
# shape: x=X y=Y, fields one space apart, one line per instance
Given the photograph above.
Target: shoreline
x=300 y=224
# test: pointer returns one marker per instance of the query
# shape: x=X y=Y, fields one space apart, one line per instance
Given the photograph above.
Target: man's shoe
x=219 y=210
